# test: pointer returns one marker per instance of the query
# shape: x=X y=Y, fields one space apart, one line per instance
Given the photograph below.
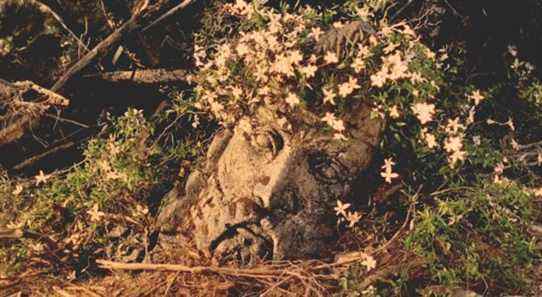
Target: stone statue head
x=271 y=179
x=269 y=192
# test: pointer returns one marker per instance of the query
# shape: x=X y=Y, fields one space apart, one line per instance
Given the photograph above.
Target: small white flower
x=358 y=65
x=292 y=99
x=95 y=214
x=41 y=178
x=453 y=144
x=388 y=174
x=331 y=58
x=510 y=124
x=348 y=87
x=369 y=262
x=333 y=122
x=394 y=112
x=424 y=112
x=341 y=208
x=18 y=190
x=196 y=122
x=353 y=218
x=477 y=97
x=429 y=138
x=329 y=96
x=315 y=33
x=309 y=70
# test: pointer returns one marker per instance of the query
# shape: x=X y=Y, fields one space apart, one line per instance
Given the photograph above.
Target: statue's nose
x=274 y=176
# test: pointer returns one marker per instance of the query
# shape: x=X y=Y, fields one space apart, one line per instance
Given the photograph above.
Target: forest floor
x=102 y=115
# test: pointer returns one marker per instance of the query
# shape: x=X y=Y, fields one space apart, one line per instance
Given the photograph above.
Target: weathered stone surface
x=271 y=193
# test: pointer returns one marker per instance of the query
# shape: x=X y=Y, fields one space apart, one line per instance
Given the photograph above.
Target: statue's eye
x=325 y=169
x=269 y=140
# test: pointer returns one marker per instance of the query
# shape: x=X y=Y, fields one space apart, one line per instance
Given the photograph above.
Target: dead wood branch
x=38 y=157
x=21 y=115
x=19 y=233
x=316 y=276
x=169 y=13
x=254 y=272
x=47 y=10
x=8 y=234
x=145 y=76
x=128 y=27
x=101 y=48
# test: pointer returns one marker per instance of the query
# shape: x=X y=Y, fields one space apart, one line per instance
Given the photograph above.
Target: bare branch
x=169 y=13
x=145 y=76
x=24 y=115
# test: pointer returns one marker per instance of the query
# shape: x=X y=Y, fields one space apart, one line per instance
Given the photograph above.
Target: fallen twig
x=145 y=76
x=23 y=115
x=46 y=9
x=256 y=272
x=86 y=291
x=128 y=27
x=65 y=120
x=102 y=47
x=61 y=292
x=169 y=13
x=19 y=233
x=453 y=9
x=38 y=157
x=303 y=271
x=9 y=234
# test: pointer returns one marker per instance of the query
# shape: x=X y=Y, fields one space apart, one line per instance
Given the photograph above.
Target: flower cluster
x=351 y=217
x=274 y=64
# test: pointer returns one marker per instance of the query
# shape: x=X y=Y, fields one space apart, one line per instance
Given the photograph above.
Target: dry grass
x=299 y=278
x=192 y=275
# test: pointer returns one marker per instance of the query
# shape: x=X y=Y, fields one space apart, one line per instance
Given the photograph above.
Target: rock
x=267 y=190
x=276 y=201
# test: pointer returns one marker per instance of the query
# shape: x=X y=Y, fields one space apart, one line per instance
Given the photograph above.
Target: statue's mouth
x=249 y=240
x=245 y=243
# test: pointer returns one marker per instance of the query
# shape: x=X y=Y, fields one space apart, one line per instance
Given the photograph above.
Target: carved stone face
x=270 y=193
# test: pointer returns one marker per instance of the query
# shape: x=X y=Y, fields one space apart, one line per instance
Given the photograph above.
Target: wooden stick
x=46 y=9
x=144 y=76
x=131 y=25
x=38 y=157
x=254 y=272
x=169 y=13
x=102 y=47
x=52 y=98
x=61 y=292
x=7 y=233
x=15 y=130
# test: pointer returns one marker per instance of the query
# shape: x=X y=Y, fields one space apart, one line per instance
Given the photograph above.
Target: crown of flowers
x=276 y=63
